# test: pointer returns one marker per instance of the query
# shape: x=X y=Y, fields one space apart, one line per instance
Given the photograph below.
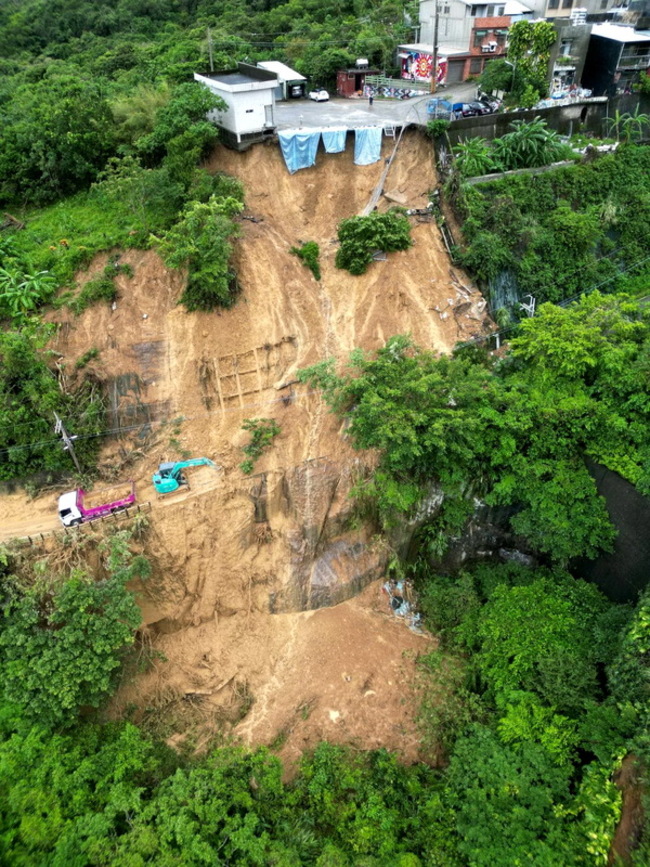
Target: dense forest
x=538 y=694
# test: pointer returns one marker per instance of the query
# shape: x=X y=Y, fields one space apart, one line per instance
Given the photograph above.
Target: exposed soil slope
x=237 y=558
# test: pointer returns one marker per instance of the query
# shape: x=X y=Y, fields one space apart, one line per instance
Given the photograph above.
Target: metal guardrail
x=87 y=526
x=398 y=83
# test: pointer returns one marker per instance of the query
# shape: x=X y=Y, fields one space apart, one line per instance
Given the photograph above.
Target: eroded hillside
x=241 y=563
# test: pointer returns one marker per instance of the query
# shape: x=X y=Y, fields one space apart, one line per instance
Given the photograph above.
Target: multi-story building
x=616 y=56
x=473 y=33
x=478 y=33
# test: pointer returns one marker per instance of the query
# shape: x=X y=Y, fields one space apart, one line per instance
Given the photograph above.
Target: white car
x=319 y=95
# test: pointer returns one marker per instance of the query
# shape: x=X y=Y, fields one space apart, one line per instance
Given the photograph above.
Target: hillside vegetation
x=537 y=691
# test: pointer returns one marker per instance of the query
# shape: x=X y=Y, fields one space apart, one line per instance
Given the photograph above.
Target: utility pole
x=67 y=441
x=434 y=58
x=210 y=50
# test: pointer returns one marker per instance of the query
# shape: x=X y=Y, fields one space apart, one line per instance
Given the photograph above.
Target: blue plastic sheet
x=299 y=147
x=334 y=139
x=367 y=145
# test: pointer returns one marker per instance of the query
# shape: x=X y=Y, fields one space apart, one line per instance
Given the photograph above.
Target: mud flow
x=265 y=598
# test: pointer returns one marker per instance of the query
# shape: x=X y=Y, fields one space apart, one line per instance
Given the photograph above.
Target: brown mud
x=241 y=563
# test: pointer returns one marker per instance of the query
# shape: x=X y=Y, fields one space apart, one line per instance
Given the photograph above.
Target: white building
x=249 y=93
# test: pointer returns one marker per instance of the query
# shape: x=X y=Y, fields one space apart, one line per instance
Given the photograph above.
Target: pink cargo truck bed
x=99 y=503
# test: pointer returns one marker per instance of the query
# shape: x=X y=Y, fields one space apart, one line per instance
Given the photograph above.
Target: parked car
x=465 y=109
x=319 y=95
x=491 y=102
x=481 y=108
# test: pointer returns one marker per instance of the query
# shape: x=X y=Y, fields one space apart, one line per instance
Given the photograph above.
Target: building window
x=490 y=12
x=475 y=65
x=501 y=36
x=479 y=36
x=500 y=10
x=553 y=4
x=567 y=4
x=566 y=45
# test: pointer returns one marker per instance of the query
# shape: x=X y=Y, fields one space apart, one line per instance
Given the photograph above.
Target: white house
x=249 y=93
x=291 y=84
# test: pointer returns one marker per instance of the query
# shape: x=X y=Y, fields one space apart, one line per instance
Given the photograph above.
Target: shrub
x=263 y=431
x=308 y=253
x=200 y=241
x=361 y=237
x=437 y=127
x=100 y=288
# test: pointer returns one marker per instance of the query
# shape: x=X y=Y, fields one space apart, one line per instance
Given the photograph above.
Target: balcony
x=632 y=60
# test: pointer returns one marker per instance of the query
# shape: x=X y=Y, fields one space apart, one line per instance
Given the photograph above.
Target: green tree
x=529 y=45
x=539 y=638
x=21 y=292
x=508 y=802
x=55 y=137
x=181 y=125
x=528 y=144
x=30 y=393
x=360 y=237
x=220 y=813
x=150 y=195
x=200 y=241
x=69 y=796
x=135 y=114
x=61 y=643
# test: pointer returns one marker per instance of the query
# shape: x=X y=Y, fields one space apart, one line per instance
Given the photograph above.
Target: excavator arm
x=170 y=477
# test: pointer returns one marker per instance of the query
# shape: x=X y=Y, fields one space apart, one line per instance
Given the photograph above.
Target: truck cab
x=69 y=510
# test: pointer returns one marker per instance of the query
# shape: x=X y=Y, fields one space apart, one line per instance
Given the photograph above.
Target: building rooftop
x=281 y=70
x=444 y=50
x=620 y=32
x=514 y=7
x=230 y=77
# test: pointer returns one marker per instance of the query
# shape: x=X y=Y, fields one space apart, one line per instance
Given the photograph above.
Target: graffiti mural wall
x=416 y=66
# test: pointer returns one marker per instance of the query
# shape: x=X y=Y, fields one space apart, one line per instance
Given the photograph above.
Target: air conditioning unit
x=485 y=49
x=492 y=46
x=361 y=63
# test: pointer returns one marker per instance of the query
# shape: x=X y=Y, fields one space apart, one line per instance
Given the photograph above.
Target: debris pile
x=401 y=599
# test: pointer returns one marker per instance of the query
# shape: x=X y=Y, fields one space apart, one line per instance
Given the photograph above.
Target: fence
x=87 y=526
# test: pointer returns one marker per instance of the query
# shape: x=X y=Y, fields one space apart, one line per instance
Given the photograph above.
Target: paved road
x=355 y=112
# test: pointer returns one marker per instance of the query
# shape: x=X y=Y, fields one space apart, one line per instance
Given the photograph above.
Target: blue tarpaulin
x=299 y=147
x=367 y=145
x=334 y=139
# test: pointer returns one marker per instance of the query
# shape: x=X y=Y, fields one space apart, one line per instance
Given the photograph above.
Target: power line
x=134 y=427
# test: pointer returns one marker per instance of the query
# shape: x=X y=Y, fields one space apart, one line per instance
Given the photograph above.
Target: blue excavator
x=170 y=476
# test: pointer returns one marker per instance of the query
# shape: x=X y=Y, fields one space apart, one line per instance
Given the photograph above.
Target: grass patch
x=100 y=288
